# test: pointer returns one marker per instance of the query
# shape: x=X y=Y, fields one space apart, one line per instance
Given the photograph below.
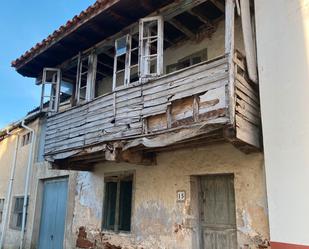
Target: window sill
x=119 y=233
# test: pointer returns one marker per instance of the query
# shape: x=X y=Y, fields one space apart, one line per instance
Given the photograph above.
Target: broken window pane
x=66 y=91
x=121 y=46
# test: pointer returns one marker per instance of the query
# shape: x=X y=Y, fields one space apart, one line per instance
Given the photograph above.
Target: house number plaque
x=181 y=196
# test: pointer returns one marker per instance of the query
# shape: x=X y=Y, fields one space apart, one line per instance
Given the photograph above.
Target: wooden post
x=91 y=75
x=229 y=50
x=248 y=40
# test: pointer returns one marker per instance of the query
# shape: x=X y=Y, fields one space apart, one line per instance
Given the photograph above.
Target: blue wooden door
x=53 y=214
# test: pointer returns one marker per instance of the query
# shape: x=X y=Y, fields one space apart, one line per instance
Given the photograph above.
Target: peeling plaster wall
x=158 y=221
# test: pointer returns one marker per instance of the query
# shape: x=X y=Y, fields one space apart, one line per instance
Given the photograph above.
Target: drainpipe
x=28 y=174
x=9 y=193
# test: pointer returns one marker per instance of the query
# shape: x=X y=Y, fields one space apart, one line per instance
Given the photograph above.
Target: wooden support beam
x=219 y=5
x=105 y=64
x=229 y=50
x=81 y=38
x=120 y=19
x=178 y=25
x=249 y=40
x=179 y=7
x=168 y=12
x=201 y=17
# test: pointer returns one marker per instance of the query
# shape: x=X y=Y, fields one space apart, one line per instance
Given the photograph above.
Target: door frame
x=56 y=179
x=38 y=202
x=195 y=191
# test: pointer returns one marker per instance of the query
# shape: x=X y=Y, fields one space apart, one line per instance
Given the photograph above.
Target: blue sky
x=23 y=23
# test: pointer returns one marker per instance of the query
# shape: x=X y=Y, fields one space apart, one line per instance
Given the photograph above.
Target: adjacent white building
x=282 y=34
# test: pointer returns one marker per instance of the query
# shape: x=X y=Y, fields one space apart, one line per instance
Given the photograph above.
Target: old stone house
x=152 y=112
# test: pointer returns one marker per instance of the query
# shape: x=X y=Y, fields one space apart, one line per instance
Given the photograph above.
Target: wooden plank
x=208 y=85
x=241 y=80
x=247 y=132
x=189 y=84
x=248 y=108
x=248 y=116
x=248 y=93
x=205 y=68
x=154 y=110
x=247 y=99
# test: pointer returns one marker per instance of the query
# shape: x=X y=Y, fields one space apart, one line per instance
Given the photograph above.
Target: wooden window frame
x=54 y=97
x=15 y=213
x=26 y=139
x=144 y=47
x=90 y=80
x=127 y=67
x=117 y=177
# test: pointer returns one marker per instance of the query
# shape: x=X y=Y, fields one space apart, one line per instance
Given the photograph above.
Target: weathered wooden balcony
x=199 y=105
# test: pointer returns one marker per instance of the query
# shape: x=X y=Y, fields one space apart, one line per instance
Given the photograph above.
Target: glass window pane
x=110 y=205
x=121 y=46
x=125 y=205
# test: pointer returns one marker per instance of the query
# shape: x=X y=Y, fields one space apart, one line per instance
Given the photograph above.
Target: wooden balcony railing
x=186 y=107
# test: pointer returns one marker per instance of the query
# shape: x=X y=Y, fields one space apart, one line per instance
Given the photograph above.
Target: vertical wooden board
x=247 y=132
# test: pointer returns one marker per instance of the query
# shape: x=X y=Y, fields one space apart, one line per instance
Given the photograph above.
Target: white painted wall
x=283 y=61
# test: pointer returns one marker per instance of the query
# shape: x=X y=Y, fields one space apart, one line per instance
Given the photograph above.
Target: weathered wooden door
x=53 y=214
x=217 y=212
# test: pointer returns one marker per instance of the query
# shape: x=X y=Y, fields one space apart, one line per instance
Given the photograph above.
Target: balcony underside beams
x=141 y=150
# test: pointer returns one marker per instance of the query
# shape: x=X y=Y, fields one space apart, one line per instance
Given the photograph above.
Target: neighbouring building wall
x=283 y=59
x=7 y=150
x=158 y=220
x=40 y=172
